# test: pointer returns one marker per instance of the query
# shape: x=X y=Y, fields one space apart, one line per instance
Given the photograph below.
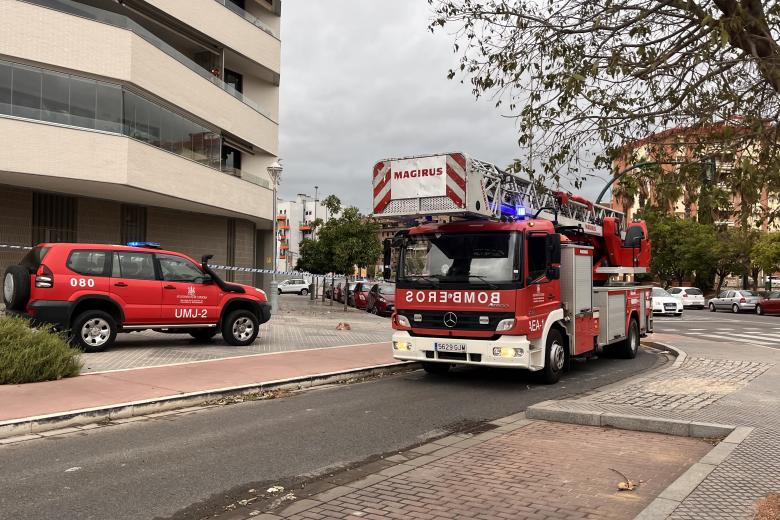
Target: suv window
x=130 y=264
x=297 y=282
x=177 y=269
x=32 y=260
x=88 y=262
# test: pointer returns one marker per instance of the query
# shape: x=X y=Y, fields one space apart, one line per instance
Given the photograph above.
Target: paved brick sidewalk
x=300 y=324
x=736 y=384
x=520 y=470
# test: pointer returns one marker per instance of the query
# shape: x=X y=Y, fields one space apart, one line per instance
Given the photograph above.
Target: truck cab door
x=541 y=280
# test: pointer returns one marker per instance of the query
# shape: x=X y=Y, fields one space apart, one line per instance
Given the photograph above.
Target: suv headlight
x=505 y=324
x=403 y=320
x=261 y=292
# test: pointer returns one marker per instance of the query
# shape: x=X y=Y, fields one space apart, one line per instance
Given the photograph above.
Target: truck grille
x=466 y=320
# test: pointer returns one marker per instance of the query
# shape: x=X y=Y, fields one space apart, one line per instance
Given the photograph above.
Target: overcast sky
x=364 y=81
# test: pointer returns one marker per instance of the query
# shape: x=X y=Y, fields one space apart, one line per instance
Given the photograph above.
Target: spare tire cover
x=16 y=287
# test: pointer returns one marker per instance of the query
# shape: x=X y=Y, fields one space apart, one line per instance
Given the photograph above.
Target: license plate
x=450 y=347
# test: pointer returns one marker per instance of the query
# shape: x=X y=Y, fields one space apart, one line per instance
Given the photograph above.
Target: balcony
x=281 y=217
x=306 y=228
x=121 y=21
x=284 y=247
x=110 y=166
x=284 y=227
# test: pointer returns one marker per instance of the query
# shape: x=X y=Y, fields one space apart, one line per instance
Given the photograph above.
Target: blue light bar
x=149 y=245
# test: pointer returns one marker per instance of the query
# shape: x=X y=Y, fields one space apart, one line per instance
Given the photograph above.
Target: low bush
x=29 y=354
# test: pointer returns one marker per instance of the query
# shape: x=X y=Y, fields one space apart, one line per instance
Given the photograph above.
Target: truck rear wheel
x=554 y=357
x=627 y=349
x=436 y=368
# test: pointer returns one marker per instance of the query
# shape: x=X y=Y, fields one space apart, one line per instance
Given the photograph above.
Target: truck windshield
x=462 y=258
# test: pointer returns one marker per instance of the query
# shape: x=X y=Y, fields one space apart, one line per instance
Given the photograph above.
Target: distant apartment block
x=295 y=220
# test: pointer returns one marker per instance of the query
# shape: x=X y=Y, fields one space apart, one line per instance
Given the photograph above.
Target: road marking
x=692 y=330
x=692 y=333
x=723 y=329
x=770 y=336
x=745 y=339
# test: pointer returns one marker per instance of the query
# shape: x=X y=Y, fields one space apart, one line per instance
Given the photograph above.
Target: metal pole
x=275 y=171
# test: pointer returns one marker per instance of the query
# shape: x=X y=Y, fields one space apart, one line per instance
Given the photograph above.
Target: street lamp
x=275 y=172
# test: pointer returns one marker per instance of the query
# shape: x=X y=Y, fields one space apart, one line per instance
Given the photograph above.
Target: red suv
x=98 y=290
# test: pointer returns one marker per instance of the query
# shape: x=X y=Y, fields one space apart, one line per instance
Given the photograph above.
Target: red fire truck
x=520 y=276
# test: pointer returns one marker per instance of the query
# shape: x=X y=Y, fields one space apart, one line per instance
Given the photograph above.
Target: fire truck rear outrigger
x=520 y=276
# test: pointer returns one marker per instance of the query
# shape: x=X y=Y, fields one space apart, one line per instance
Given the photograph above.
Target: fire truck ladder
x=506 y=194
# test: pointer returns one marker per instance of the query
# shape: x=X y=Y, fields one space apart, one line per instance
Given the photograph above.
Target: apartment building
x=694 y=148
x=128 y=120
x=294 y=223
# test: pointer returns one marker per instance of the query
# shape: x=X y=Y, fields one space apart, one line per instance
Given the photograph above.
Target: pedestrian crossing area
x=768 y=337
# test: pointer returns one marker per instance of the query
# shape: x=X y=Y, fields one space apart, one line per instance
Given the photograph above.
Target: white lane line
x=723 y=330
x=694 y=333
x=696 y=329
x=769 y=336
x=746 y=339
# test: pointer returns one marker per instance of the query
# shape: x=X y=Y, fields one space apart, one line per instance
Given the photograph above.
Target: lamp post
x=275 y=172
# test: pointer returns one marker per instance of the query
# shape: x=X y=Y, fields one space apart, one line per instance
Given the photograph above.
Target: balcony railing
x=248 y=17
x=123 y=22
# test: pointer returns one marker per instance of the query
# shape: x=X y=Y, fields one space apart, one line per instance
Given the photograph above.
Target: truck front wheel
x=554 y=357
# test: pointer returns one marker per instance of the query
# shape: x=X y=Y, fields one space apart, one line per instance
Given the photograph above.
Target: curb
x=671 y=497
x=32 y=425
x=680 y=354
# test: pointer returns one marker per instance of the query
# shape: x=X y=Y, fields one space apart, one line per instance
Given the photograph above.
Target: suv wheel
x=16 y=287
x=304 y=292
x=240 y=328
x=94 y=331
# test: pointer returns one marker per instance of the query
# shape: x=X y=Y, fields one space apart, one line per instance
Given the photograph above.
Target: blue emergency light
x=148 y=245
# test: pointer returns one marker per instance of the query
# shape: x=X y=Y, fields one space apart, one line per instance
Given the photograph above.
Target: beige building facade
x=140 y=120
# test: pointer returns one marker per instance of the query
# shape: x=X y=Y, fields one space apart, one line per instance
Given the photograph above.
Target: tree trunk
x=332 y=288
x=755 y=272
x=346 y=292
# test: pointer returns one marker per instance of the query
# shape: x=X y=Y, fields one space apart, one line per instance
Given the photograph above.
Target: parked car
x=690 y=297
x=341 y=292
x=94 y=291
x=294 y=286
x=381 y=299
x=770 y=304
x=735 y=301
x=665 y=303
x=358 y=296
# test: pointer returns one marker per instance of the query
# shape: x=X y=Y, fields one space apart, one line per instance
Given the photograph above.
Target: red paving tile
x=97 y=390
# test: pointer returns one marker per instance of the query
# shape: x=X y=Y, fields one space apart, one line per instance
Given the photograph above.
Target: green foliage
x=681 y=249
x=766 y=252
x=342 y=243
x=31 y=354
x=584 y=78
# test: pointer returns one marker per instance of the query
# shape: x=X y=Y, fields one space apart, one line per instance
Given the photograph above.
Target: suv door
x=135 y=285
x=186 y=297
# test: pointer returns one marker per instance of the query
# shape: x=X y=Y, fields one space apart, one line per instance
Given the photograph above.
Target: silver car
x=735 y=301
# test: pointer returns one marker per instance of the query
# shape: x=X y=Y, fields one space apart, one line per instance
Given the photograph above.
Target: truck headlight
x=507 y=352
x=505 y=324
x=402 y=345
x=403 y=320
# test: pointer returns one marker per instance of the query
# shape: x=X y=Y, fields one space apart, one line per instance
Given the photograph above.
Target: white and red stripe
x=456 y=182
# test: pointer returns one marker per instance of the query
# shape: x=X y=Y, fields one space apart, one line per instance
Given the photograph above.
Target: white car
x=688 y=296
x=294 y=286
x=665 y=303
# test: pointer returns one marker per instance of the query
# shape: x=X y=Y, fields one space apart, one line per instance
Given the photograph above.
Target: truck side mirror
x=386 y=259
x=553 y=273
x=553 y=247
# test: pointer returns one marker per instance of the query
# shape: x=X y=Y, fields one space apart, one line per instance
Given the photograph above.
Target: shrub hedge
x=29 y=354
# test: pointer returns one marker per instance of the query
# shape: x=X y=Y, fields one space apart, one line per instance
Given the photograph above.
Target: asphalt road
x=724 y=327
x=189 y=466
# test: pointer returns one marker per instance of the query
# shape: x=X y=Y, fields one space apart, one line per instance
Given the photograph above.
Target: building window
x=235 y=80
x=231 y=160
x=53 y=218
x=39 y=94
x=231 y=248
x=133 y=224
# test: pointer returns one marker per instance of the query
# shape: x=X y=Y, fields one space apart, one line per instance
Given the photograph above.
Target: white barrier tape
x=220 y=267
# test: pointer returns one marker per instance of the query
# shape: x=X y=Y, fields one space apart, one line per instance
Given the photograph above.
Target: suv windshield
x=464 y=258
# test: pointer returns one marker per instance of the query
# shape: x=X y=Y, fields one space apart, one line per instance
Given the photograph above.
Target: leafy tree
x=585 y=77
x=342 y=242
x=766 y=253
x=727 y=257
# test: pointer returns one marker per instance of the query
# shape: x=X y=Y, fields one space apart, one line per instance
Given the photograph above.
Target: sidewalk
x=95 y=397
x=726 y=383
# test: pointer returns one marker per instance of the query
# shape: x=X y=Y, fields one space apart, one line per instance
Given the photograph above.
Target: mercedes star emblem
x=450 y=319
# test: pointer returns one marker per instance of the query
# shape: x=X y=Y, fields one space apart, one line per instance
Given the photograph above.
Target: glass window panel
x=109 y=108
x=143 y=107
x=167 y=129
x=26 y=98
x=199 y=146
x=155 y=122
x=55 y=104
x=83 y=100
x=128 y=112
x=179 y=128
x=190 y=130
x=6 y=73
